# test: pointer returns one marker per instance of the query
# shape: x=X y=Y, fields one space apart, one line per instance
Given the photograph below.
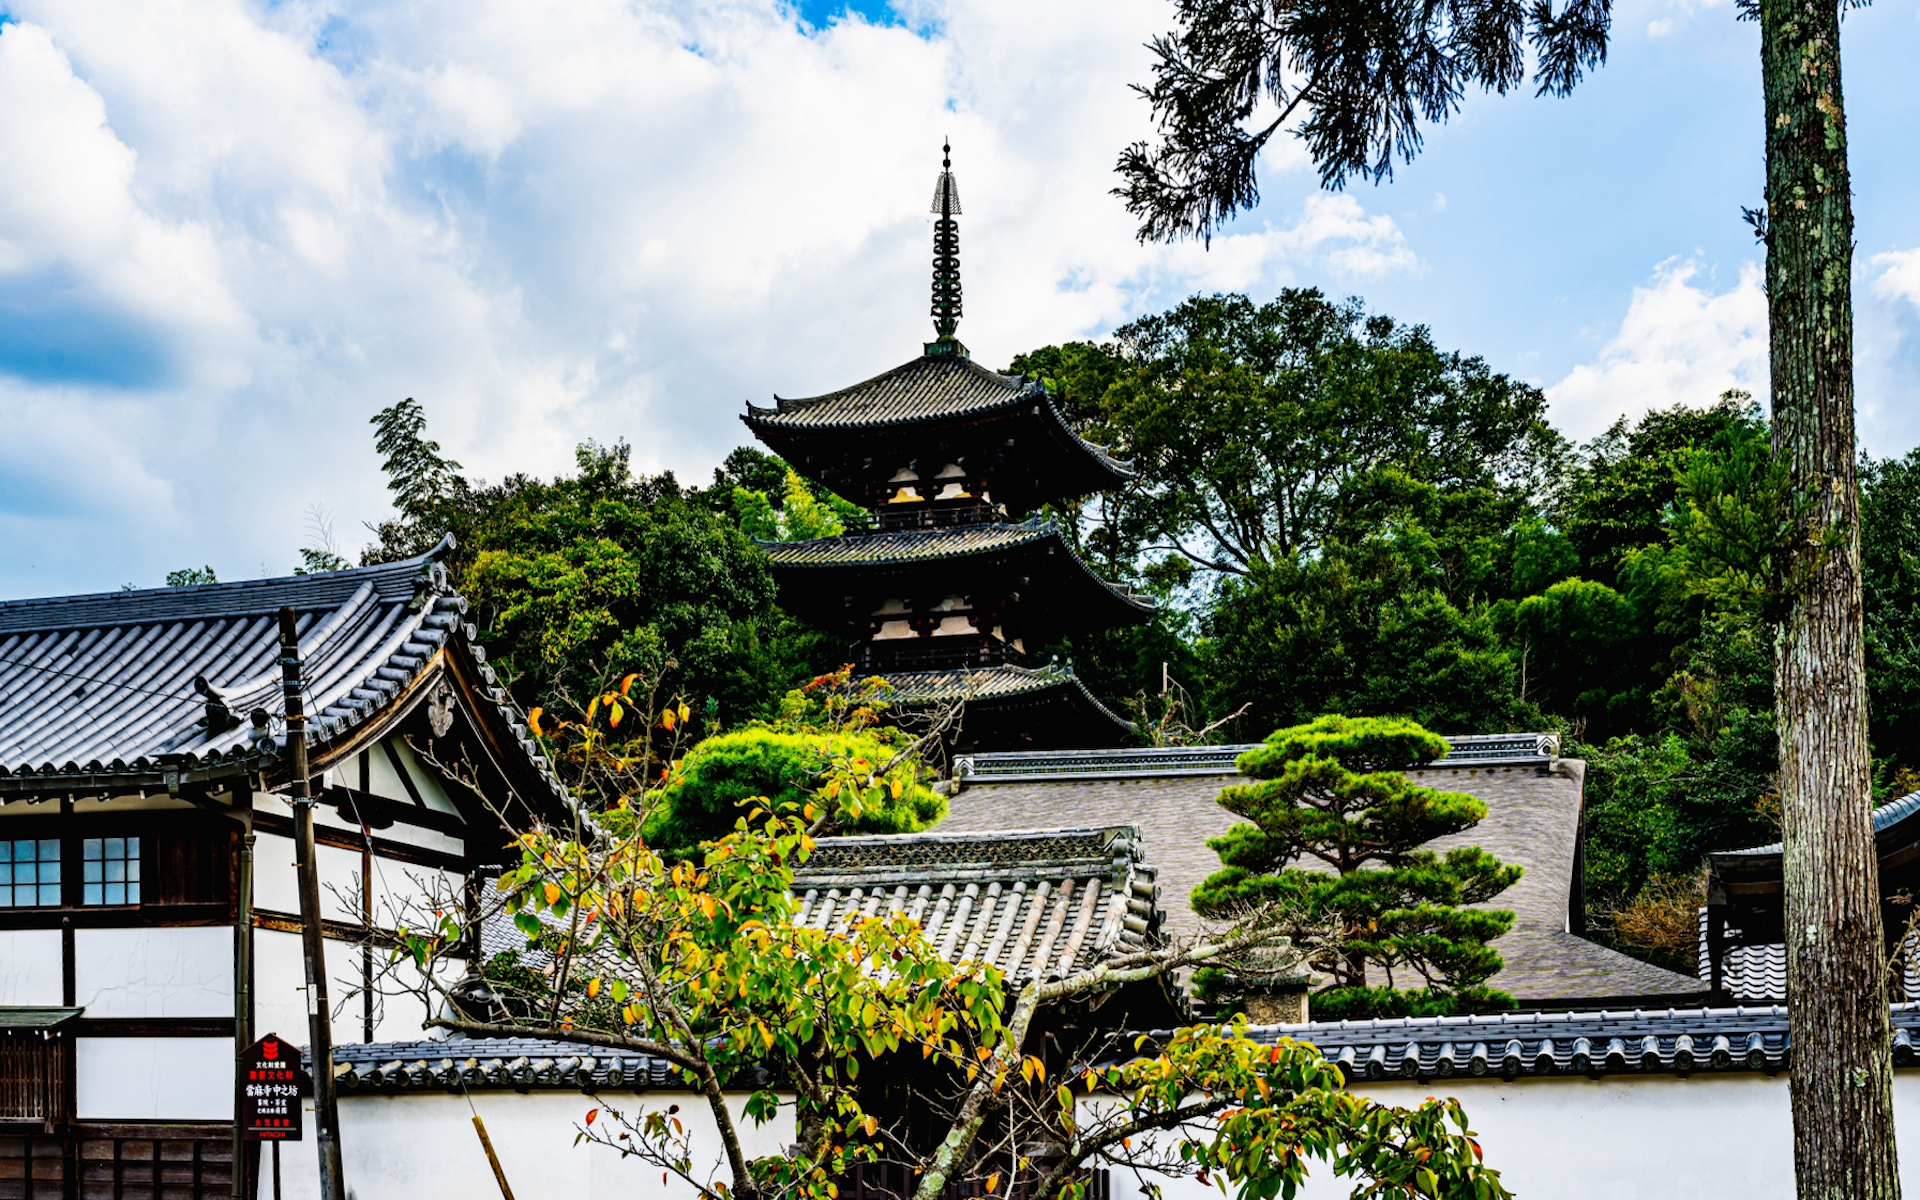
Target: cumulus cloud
x=1899 y=277
x=239 y=230
x=1681 y=342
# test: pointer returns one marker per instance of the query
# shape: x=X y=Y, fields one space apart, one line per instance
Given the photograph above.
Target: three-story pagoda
x=955 y=586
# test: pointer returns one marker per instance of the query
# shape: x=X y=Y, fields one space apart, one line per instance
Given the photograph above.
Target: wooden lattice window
x=32 y=1074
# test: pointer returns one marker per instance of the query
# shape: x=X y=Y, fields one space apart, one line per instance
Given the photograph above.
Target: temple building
x=955 y=586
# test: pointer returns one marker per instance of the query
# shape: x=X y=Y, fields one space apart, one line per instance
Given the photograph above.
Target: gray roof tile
x=475 y=1063
x=1640 y=1041
x=1533 y=819
x=103 y=685
x=1042 y=903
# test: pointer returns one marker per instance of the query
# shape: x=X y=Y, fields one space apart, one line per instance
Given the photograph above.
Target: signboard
x=268 y=1084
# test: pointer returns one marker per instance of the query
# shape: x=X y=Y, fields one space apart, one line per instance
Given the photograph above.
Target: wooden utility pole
x=326 y=1109
x=1842 y=1068
x=242 y=977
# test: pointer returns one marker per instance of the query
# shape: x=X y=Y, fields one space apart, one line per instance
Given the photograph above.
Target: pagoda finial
x=946 y=259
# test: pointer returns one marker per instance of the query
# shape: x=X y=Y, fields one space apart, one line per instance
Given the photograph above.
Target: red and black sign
x=268 y=1085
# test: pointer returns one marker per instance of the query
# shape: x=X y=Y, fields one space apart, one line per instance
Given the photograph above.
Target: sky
x=231 y=232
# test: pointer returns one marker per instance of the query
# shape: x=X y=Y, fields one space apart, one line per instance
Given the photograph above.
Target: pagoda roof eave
x=1015 y=688
x=927 y=391
x=948 y=547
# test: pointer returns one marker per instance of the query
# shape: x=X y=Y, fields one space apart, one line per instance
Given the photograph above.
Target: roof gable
x=113 y=690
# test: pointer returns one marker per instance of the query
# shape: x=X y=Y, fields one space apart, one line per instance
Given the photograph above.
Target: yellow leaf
x=993 y=1183
x=873 y=1126
x=533 y=721
x=553 y=893
x=626 y=684
x=593 y=987
x=613 y=717
x=685 y=712
x=666 y=719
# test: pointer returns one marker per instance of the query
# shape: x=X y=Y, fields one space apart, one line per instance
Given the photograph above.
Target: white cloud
x=1899 y=277
x=595 y=219
x=1679 y=343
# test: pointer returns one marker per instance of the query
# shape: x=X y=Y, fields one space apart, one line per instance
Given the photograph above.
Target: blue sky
x=230 y=232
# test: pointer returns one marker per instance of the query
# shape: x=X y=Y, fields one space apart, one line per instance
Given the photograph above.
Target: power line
x=126 y=687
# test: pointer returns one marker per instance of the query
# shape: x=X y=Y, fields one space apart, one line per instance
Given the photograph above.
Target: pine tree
x=1382 y=920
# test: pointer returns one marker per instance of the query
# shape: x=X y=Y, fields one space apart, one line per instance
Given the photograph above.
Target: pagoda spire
x=946 y=259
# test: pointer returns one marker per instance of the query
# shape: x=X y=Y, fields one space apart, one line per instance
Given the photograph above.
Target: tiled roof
x=1571 y=1043
x=474 y=1063
x=1026 y=540
x=1523 y=749
x=1885 y=817
x=928 y=391
x=1051 y=901
x=916 y=688
x=103 y=686
x=1759 y=971
x=928 y=387
x=1533 y=819
x=1033 y=903
x=920 y=545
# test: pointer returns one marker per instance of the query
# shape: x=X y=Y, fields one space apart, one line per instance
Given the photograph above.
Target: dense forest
x=1337 y=515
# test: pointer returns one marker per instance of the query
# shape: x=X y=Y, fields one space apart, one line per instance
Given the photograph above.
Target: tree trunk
x=1842 y=1069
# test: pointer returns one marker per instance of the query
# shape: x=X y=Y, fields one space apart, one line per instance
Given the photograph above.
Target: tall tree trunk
x=1842 y=1070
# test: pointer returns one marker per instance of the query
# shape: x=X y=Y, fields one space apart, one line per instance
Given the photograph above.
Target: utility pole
x=326 y=1108
x=242 y=975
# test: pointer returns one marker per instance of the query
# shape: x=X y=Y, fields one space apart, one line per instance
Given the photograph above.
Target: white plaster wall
x=30 y=967
x=422 y=1146
x=166 y=972
x=154 y=1079
x=276 y=878
x=339 y=883
x=425 y=778
x=280 y=1000
x=1617 y=1138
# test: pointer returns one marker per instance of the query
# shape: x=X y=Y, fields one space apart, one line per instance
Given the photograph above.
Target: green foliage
x=1281 y=1105
x=1329 y=493
x=1364 y=628
x=191 y=577
x=1263 y=431
x=602 y=573
x=1890 y=573
x=1329 y=791
x=1576 y=643
x=426 y=485
x=800 y=516
x=1357 y=82
x=316 y=562
x=709 y=787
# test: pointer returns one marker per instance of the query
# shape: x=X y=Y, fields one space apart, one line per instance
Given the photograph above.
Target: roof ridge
x=14 y=614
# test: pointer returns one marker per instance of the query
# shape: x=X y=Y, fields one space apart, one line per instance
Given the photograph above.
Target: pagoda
x=953 y=588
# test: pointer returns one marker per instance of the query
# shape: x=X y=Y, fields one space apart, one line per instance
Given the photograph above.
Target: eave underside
x=1025 y=449
x=1057 y=592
